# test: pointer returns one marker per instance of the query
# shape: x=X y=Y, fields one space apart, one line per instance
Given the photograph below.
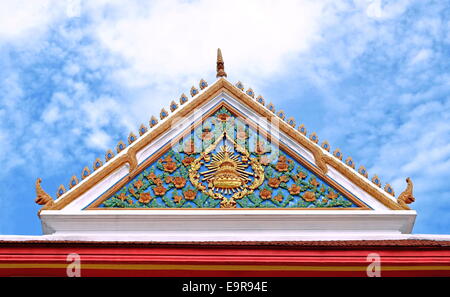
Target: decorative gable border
x=325 y=162
x=69 y=216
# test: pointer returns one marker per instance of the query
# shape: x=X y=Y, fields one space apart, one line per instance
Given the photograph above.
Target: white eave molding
x=218 y=225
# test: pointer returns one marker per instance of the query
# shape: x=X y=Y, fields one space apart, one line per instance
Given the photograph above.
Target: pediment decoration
x=223 y=165
x=227 y=161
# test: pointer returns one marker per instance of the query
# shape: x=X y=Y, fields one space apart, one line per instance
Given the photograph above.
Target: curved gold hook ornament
x=406 y=197
x=42 y=198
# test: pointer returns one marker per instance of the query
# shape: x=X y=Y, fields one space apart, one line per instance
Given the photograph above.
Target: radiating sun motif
x=226 y=172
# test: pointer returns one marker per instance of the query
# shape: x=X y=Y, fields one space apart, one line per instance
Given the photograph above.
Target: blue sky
x=372 y=77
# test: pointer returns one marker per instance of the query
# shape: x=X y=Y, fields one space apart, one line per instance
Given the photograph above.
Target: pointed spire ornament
x=109 y=155
x=97 y=164
x=131 y=138
x=173 y=106
x=325 y=145
x=73 y=181
x=120 y=146
x=220 y=65
x=85 y=173
x=363 y=171
x=61 y=190
x=142 y=129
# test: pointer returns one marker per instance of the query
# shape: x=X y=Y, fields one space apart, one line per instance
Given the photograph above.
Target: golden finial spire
x=220 y=65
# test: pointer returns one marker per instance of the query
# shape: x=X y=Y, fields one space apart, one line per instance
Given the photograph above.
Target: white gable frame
x=220 y=224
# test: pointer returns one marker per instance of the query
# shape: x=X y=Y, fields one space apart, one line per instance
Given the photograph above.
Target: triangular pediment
x=226 y=161
x=328 y=182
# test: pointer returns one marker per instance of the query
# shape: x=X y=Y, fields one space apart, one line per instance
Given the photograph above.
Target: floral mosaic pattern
x=166 y=182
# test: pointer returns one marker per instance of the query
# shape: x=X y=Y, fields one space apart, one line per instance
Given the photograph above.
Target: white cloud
x=22 y=19
x=379 y=9
x=173 y=39
x=51 y=114
x=422 y=56
x=98 y=139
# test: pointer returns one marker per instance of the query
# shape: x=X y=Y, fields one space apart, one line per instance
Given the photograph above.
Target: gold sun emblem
x=226 y=172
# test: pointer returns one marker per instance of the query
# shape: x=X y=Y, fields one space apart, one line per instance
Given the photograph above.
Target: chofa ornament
x=42 y=198
x=406 y=197
x=226 y=177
